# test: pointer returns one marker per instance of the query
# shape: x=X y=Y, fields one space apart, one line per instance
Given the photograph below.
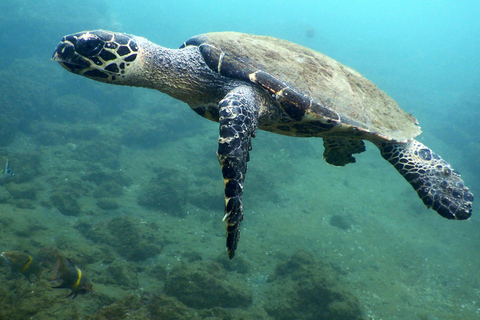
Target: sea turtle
x=248 y=82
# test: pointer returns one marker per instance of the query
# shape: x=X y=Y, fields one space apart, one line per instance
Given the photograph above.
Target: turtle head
x=100 y=55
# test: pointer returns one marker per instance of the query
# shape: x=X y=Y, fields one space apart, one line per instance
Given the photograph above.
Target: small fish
x=71 y=276
x=23 y=263
x=6 y=171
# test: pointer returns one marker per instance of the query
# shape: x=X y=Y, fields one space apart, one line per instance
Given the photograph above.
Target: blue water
x=99 y=148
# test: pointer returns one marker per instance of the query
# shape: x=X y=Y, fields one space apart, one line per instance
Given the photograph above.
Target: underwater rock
x=207 y=201
x=66 y=203
x=239 y=264
x=112 y=181
x=191 y=256
x=165 y=307
x=24 y=204
x=146 y=128
x=133 y=240
x=73 y=108
x=7 y=131
x=110 y=184
x=166 y=193
x=204 y=285
x=70 y=146
x=107 y=204
x=66 y=195
x=142 y=137
x=44 y=134
x=22 y=195
x=129 y=307
x=5 y=196
x=122 y=274
x=22 y=191
x=108 y=189
x=100 y=151
x=26 y=167
x=305 y=288
x=252 y=313
x=340 y=221
x=68 y=135
x=22 y=92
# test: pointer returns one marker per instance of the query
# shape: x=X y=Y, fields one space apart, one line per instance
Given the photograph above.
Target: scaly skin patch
x=438 y=185
x=238 y=124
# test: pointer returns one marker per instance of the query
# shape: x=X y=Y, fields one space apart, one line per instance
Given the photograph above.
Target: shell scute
x=309 y=84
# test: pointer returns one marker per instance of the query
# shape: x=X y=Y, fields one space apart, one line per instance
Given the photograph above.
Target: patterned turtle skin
x=247 y=82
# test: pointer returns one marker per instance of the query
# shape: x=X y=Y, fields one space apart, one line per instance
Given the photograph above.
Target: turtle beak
x=66 y=55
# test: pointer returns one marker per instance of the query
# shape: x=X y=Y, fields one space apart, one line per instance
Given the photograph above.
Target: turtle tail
x=438 y=185
x=238 y=124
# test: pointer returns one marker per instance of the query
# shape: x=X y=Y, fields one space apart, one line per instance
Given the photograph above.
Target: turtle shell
x=355 y=100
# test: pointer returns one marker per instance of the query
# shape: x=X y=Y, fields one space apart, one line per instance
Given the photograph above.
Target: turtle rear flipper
x=238 y=124
x=339 y=152
x=438 y=185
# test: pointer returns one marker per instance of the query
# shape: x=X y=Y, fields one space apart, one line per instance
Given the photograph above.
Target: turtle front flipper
x=436 y=182
x=238 y=117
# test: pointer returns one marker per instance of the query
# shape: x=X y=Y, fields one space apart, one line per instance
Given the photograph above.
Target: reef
x=219 y=289
x=304 y=287
x=131 y=239
x=166 y=192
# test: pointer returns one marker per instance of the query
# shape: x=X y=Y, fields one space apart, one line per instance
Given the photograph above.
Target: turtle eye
x=89 y=47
